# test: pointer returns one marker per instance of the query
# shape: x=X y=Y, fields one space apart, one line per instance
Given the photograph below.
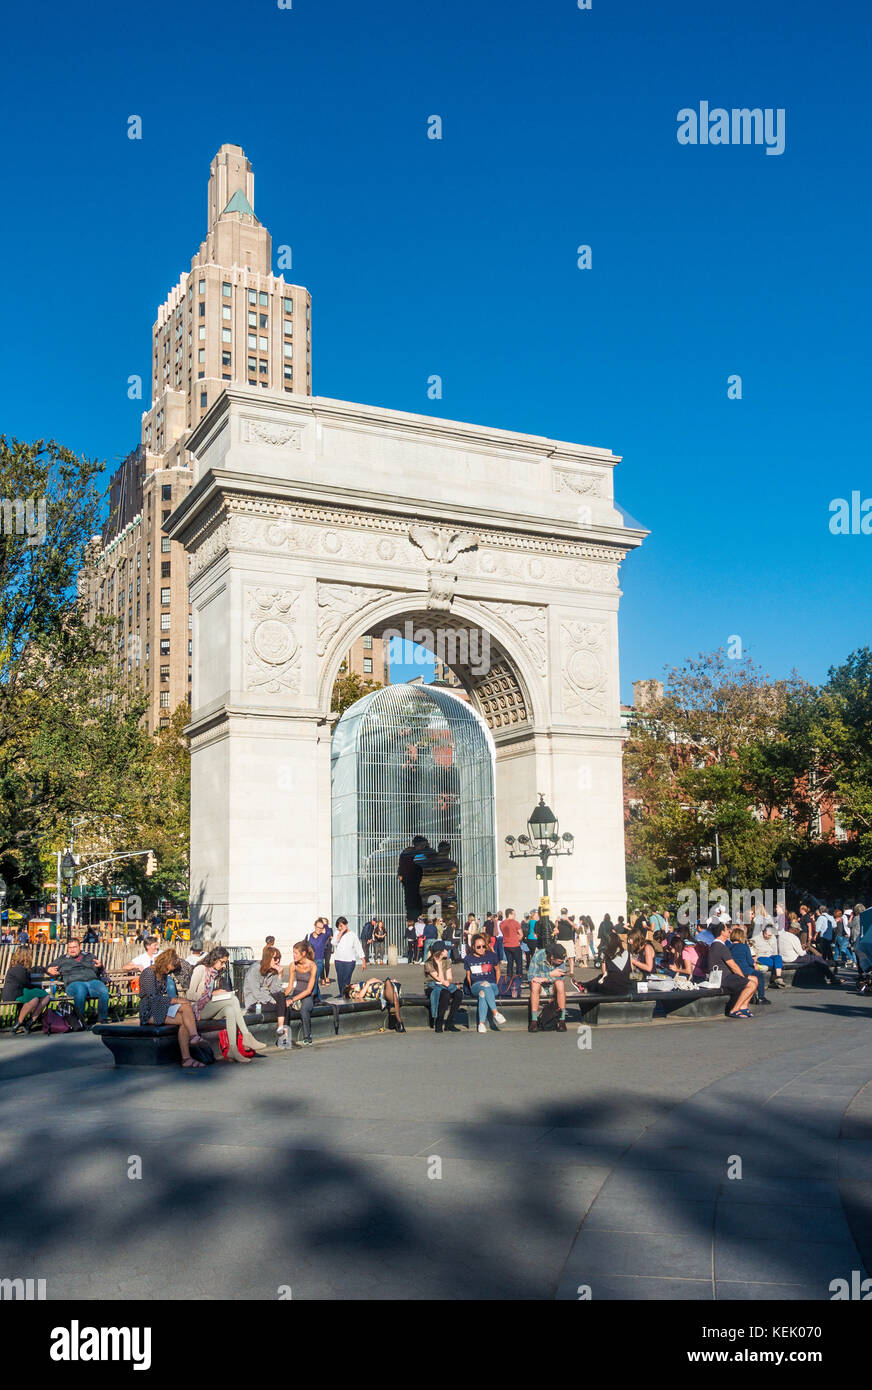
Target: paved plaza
x=560 y=1167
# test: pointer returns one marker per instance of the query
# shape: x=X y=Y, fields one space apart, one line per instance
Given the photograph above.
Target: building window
x=264 y=298
x=164 y=699
x=165 y=673
x=367 y=644
x=165 y=569
x=289 y=373
x=252 y=296
x=226 y=335
x=165 y=622
x=202 y=286
x=147 y=651
x=263 y=344
x=190 y=646
x=164 y=516
x=264 y=320
x=288 y=349
x=225 y=359
x=164 y=646
x=165 y=596
x=225 y=311
x=367 y=665
x=201 y=333
x=252 y=364
x=203 y=398
x=165 y=544
x=264 y=368
x=166 y=492
x=252 y=319
x=289 y=306
x=201 y=354
x=226 y=289
x=252 y=340
x=190 y=622
x=202 y=309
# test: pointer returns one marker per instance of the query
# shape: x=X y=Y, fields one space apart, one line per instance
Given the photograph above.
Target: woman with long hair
x=615 y=978
x=160 y=1003
x=641 y=952
x=18 y=988
x=301 y=989
x=210 y=1001
x=379 y=941
x=262 y=991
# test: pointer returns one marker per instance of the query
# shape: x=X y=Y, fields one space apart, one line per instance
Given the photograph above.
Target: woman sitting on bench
x=212 y=1002
x=615 y=978
x=160 y=1004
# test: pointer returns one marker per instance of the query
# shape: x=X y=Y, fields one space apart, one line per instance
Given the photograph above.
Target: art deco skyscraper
x=229 y=319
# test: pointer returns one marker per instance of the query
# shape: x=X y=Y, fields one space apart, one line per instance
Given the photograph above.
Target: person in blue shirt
x=741 y=953
x=482 y=975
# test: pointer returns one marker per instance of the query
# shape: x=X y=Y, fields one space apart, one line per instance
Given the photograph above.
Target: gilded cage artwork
x=410 y=760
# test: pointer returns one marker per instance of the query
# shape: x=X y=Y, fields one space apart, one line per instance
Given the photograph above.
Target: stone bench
x=602 y=1009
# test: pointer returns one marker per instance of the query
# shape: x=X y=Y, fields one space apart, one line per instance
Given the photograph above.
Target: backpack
x=63 y=1018
x=203 y=1052
x=549 y=1016
x=509 y=987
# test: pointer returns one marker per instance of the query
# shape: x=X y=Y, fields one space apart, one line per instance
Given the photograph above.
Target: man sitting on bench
x=548 y=971
x=79 y=971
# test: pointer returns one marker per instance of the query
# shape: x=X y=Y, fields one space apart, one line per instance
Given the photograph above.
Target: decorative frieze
x=336 y=603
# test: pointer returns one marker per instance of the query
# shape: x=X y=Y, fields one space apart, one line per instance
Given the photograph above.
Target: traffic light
x=151 y=864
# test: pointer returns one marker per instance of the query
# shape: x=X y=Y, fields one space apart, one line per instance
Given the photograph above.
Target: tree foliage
x=726 y=763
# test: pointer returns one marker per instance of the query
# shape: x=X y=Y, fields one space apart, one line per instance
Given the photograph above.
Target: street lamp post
x=543 y=841
x=783 y=871
x=68 y=871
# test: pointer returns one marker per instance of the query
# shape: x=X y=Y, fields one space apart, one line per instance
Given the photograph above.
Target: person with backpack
x=161 y=1004
x=548 y=970
x=80 y=972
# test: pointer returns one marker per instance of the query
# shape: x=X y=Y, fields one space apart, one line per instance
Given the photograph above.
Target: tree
x=348 y=688
x=842 y=729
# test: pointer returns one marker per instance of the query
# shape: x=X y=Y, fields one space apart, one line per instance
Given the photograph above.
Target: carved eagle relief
x=441 y=544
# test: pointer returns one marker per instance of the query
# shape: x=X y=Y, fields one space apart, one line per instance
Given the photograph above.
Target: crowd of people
x=505 y=951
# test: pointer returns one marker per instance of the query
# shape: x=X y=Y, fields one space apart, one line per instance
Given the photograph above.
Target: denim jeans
x=842 y=949
x=80 y=990
x=436 y=995
x=343 y=969
x=486 y=994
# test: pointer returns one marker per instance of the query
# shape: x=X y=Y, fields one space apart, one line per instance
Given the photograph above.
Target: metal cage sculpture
x=410 y=760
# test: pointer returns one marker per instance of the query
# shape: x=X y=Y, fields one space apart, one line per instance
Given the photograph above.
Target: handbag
x=202 y=1052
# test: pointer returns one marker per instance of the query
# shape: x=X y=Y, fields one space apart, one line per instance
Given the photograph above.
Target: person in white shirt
x=146 y=958
x=825 y=930
x=347 y=953
x=791 y=952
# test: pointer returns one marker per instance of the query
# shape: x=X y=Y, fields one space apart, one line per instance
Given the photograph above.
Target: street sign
x=544 y=873
x=544 y=907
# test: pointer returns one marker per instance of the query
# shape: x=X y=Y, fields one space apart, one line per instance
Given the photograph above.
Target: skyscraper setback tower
x=229 y=319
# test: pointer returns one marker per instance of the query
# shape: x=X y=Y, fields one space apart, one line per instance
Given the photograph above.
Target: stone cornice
x=243 y=495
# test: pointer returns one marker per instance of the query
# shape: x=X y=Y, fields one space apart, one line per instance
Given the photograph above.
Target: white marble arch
x=314 y=521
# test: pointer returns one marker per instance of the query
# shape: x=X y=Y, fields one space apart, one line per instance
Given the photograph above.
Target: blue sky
x=457 y=256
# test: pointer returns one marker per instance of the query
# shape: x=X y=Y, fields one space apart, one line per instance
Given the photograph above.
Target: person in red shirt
x=512 y=933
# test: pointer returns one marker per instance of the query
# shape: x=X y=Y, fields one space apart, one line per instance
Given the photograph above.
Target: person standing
x=566 y=937
x=512 y=932
x=366 y=937
x=319 y=939
x=347 y=953
x=825 y=930
x=409 y=874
